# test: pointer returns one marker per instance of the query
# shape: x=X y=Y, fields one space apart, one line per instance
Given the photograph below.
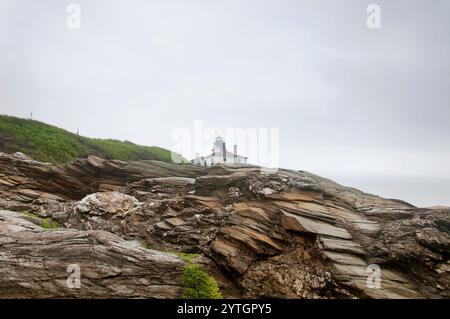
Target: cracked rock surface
x=282 y=234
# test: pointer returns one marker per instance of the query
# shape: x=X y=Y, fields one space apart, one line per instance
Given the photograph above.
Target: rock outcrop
x=284 y=234
x=35 y=263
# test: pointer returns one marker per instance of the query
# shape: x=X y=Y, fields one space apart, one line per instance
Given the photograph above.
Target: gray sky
x=368 y=108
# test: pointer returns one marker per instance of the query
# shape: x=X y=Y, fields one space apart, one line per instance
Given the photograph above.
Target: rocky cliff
x=283 y=234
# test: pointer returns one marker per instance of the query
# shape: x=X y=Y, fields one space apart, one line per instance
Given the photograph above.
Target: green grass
x=47 y=223
x=197 y=284
x=187 y=257
x=48 y=143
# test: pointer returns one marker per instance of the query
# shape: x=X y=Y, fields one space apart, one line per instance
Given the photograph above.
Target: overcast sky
x=369 y=108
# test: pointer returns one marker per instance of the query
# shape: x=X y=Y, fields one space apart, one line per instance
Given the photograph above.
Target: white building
x=220 y=155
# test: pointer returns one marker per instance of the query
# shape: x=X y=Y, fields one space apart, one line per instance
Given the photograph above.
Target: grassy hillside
x=48 y=143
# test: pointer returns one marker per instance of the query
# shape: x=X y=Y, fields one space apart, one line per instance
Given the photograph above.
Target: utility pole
x=31 y=115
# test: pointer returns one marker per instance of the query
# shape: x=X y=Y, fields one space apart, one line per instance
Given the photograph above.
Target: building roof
x=229 y=154
x=219 y=145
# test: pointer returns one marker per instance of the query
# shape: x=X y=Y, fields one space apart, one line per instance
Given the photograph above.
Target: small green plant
x=187 y=257
x=47 y=223
x=197 y=284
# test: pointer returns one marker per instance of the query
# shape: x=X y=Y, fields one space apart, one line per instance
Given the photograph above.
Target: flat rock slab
x=302 y=224
x=340 y=245
x=34 y=263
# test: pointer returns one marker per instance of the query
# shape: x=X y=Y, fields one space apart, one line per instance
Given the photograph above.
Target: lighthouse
x=220 y=155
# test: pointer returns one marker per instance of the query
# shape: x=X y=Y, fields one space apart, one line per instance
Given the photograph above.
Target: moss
x=197 y=284
x=47 y=223
x=187 y=257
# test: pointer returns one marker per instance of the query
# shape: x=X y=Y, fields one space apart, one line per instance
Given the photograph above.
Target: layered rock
x=24 y=180
x=284 y=234
x=38 y=263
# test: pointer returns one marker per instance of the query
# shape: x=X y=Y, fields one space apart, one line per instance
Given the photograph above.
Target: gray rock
x=35 y=261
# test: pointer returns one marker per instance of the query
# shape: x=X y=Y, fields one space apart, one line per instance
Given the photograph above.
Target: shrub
x=197 y=284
